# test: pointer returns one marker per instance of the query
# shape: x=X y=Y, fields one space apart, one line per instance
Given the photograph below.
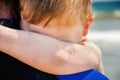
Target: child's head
x=65 y=13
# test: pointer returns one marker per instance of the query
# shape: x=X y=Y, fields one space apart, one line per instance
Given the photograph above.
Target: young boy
x=74 y=60
x=66 y=20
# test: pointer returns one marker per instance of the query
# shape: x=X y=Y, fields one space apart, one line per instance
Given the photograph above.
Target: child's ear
x=86 y=26
x=85 y=30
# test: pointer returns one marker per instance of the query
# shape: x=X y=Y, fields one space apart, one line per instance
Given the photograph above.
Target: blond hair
x=36 y=11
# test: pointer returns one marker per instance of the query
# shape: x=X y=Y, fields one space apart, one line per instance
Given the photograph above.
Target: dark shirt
x=13 y=69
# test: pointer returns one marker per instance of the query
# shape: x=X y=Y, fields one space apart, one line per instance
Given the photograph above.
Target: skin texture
x=48 y=54
x=59 y=60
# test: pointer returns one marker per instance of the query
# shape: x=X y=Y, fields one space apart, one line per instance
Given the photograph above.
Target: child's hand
x=79 y=58
x=91 y=45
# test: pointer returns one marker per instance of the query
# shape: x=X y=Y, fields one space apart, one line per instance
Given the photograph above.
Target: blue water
x=105 y=32
x=107 y=15
x=106 y=6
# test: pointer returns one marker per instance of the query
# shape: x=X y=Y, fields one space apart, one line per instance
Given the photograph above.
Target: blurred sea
x=105 y=32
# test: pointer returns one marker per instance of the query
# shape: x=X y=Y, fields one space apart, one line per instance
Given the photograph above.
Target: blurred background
x=105 y=32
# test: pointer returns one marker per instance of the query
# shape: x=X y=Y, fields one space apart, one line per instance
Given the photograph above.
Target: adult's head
x=9 y=9
x=65 y=13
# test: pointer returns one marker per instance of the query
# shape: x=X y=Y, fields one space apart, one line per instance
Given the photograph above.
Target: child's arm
x=98 y=53
x=100 y=68
x=45 y=53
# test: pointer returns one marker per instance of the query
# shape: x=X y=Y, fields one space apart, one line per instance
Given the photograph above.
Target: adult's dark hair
x=10 y=7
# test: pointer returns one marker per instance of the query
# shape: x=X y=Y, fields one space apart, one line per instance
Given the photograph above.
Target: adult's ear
x=86 y=26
